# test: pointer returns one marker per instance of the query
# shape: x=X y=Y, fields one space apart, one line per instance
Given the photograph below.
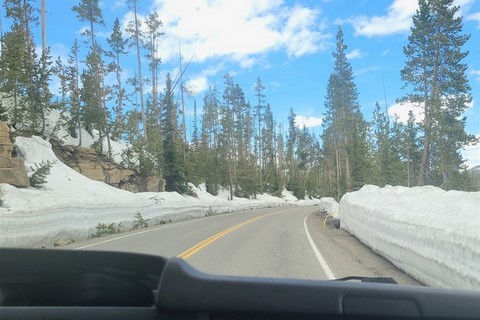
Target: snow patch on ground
x=431 y=234
x=70 y=205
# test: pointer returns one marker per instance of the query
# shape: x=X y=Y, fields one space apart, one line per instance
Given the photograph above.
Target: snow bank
x=71 y=205
x=330 y=205
x=431 y=234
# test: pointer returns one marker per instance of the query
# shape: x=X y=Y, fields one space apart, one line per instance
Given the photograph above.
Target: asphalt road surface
x=286 y=242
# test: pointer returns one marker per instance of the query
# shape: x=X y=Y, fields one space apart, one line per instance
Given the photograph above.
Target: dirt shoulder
x=347 y=256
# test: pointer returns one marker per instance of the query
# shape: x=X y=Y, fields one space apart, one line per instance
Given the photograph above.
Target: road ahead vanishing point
x=286 y=242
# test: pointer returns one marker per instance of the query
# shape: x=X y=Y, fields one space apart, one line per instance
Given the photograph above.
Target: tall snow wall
x=431 y=234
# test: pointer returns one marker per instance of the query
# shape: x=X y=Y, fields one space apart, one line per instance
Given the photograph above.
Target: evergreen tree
x=40 y=173
x=60 y=70
x=226 y=136
x=135 y=30
x=437 y=76
x=272 y=182
x=382 y=158
x=151 y=37
x=259 y=114
x=73 y=83
x=344 y=126
x=19 y=65
x=118 y=48
x=174 y=167
x=89 y=11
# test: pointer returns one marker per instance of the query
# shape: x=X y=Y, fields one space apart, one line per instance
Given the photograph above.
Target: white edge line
x=318 y=255
x=117 y=238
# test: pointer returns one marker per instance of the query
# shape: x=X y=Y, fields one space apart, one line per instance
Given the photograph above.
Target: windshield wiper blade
x=369 y=279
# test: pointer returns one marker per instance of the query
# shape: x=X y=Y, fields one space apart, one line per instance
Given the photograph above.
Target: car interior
x=74 y=284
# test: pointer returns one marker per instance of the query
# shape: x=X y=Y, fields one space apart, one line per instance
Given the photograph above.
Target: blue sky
x=288 y=44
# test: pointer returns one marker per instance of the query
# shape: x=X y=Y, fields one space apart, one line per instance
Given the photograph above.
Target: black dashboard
x=66 y=284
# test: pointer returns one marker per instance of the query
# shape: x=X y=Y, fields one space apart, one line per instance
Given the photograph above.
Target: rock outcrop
x=87 y=162
x=12 y=170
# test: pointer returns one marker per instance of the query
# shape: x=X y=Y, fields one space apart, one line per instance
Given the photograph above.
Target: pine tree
x=271 y=180
x=135 y=30
x=226 y=137
x=41 y=96
x=89 y=11
x=344 y=125
x=151 y=38
x=174 y=167
x=59 y=69
x=73 y=83
x=18 y=64
x=118 y=48
x=381 y=127
x=435 y=71
x=40 y=173
x=259 y=113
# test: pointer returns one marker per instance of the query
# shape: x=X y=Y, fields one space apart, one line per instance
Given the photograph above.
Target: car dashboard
x=67 y=284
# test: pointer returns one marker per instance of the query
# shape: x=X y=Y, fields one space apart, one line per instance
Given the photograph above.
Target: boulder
x=16 y=176
x=92 y=170
x=153 y=184
x=115 y=175
x=12 y=171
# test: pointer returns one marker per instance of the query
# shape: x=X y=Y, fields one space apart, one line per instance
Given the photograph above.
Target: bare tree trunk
x=119 y=114
x=337 y=165
x=105 y=115
x=408 y=166
x=78 y=106
x=348 y=173
x=139 y=64
x=183 y=102
x=44 y=34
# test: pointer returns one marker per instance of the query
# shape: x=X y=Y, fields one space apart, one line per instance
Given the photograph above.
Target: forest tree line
x=234 y=142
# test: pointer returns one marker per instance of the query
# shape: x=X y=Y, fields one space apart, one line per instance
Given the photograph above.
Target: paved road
x=271 y=242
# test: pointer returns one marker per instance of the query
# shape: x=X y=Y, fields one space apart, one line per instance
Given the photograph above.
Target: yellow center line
x=199 y=246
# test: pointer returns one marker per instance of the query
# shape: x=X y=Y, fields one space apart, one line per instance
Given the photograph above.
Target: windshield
x=287 y=139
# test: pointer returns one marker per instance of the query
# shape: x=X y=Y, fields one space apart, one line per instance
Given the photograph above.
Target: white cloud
x=475 y=73
x=464 y=6
x=299 y=34
x=238 y=30
x=199 y=82
x=398 y=18
x=356 y=53
x=471 y=154
x=119 y=4
x=247 y=62
x=475 y=17
x=274 y=85
x=308 y=122
x=401 y=110
x=365 y=70
x=385 y=52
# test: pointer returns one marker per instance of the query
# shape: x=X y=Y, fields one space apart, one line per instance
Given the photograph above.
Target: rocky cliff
x=12 y=170
x=87 y=162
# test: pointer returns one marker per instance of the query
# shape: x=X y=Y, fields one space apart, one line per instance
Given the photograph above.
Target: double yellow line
x=199 y=246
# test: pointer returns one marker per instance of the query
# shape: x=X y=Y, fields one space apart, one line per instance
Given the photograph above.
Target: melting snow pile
x=71 y=205
x=330 y=205
x=431 y=234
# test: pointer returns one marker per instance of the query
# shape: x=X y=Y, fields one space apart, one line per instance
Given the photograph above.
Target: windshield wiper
x=369 y=279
